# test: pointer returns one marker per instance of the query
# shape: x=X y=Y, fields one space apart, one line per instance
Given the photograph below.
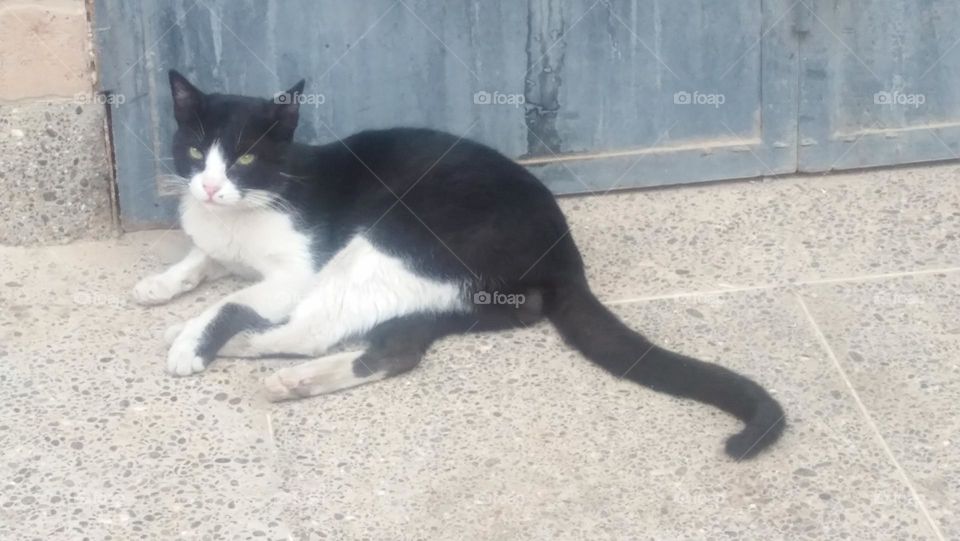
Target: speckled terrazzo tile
x=55 y=172
x=507 y=436
x=899 y=342
x=513 y=436
x=96 y=440
x=739 y=234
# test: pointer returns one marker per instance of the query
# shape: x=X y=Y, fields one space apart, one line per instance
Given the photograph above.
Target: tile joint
x=868 y=418
x=799 y=283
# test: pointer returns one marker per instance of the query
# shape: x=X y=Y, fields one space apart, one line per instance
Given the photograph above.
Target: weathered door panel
x=660 y=92
x=880 y=83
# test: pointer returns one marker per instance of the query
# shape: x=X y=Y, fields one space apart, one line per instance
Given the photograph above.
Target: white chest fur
x=260 y=239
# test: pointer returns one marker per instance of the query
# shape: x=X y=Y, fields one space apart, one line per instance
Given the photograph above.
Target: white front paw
x=182 y=359
x=153 y=290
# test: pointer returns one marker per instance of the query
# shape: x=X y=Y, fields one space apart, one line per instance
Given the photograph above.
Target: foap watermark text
x=284 y=98
x=897 y=98
x=482 y=97
x=99 y=98
x=496 y=297
x=699 y=98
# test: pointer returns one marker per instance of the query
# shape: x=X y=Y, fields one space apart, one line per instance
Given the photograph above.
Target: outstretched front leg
x=179 y=278
x=254 y=308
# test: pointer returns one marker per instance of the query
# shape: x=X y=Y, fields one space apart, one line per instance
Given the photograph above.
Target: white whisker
x=240 y=136
x=266 y=199
x=171 y=184
x=295 y=178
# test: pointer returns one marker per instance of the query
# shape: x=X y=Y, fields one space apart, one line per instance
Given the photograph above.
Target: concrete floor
x=841 y=294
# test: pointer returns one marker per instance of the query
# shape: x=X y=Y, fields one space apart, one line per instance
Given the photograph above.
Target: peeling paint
x=545 y=55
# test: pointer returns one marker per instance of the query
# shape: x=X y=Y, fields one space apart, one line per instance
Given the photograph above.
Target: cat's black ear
x=286 y=110
x=187 y=100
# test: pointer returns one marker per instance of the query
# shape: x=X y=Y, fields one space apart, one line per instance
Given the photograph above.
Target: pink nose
x=211 y=190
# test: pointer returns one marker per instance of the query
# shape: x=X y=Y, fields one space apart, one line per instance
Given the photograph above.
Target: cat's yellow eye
x=246 y=159
x=195 y=153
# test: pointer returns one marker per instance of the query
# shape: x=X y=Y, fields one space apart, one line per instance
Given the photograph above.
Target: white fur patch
x=214 y=176
x=357 y=289
x=263 y=240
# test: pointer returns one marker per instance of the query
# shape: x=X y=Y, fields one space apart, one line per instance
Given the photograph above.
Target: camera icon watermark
x=698 y=98
x=897 y=98
x=482 y=97
x=286 y=98
x=498 y=298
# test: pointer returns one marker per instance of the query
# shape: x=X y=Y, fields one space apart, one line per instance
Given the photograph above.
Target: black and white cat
x=398 y=236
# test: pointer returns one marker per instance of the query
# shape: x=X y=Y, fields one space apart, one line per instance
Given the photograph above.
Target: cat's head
x=230 y=149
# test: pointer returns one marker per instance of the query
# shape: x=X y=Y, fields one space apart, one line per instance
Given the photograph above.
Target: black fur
x=397 y=345
x=453 y=209
x=230 y=320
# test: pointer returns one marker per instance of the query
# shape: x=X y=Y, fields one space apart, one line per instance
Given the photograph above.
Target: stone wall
x=55 y=174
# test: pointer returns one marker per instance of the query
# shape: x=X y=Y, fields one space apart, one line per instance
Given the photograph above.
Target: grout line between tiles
x=881 y=276
x=688 y=294
x=765 y=287
x=869 y=419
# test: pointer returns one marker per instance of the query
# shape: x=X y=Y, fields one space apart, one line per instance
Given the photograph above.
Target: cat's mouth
x=211 y=203
x=225 y=204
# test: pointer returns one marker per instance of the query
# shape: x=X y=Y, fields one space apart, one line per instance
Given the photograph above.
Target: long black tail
x=597 y=333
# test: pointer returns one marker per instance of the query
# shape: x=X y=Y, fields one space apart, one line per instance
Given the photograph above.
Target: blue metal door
x=592 y=95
